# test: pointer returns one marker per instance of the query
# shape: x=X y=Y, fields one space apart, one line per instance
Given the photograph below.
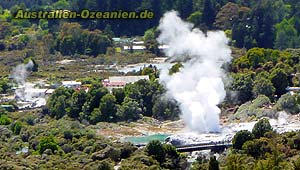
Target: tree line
x=264 y=24
x=143 y=98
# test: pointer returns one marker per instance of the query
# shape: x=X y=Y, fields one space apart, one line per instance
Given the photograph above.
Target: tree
x=280 y=81
x=243 y=84
x=175 y=68
x=96 y=116
x=286 y=35
x=4 y=85
x=261 y=128
x=155 y=148
x=227 y=15
x=93 y=100
x=47 y=142
x=287 y=102
x=213 y=164
x=129 y=110
x=59 y=102
x=263 y=86
x=108 y=108
x=209 y=13
x=119 y=94
x=256 y=56
x=77 y=101
x=195 y=18
x=240 y=138
x=257 y=147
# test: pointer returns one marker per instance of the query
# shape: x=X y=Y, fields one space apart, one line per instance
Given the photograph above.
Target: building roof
x=71 y=83
x=127 y=79
x=135 y=47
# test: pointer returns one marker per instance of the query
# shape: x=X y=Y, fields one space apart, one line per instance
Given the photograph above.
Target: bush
x=240 y=138
x=68 y=135
x=155 y=148
x=105 y=165
x=4 y=120
x=261 y=128
x=257 y=147
x=47 y=143
x=16 y=127
x=288 y=103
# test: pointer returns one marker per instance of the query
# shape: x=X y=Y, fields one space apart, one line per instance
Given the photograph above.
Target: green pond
x=146 y=139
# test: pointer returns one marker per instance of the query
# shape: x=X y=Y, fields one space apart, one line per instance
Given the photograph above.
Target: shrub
x=257 y=147
x=68 y=135
x=240 y=138
x=288 y=103
x=4 y=120
x=47 y=143
x=155 y=148
x=16 y=127
x=261 y=128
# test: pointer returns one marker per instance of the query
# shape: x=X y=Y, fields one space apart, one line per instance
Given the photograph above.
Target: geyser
x=199 y=86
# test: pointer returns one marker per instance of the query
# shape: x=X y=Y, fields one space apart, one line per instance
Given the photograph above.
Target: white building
x=120 y=81
x=71 y=84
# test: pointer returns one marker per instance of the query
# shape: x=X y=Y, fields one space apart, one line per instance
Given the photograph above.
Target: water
x=146 y=139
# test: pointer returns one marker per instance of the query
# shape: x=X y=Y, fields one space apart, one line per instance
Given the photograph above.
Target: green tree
x=47 y=143
x=227 y=15
x=175 y=68
x=209 y=13
x=96 y=116
x=261 y=128
x=263 y=86
x=286 y=35
x=119 y=94
x=16 y=127
x=287 y=102
x=195 y=18
x=155 y=148
x=108 y=108
x=77 y=101
x=280 y=81
x=129 y=110
x=213 y=164
x=240 y=138
x=4 y=120
x=243 y=84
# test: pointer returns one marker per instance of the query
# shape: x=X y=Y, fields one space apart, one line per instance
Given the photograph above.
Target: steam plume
x=198 y=87
x=26 y=91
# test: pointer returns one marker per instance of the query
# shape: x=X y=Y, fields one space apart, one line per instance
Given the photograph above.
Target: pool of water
x=146 y=139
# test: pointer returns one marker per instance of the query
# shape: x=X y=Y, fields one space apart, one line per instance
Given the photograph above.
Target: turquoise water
x=146 y=139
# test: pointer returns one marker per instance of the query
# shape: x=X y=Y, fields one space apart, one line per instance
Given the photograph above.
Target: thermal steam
x=199 y=86
x=26 y=92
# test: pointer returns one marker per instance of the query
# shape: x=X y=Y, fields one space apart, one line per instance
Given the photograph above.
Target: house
x=71 y=84
x=121 y=81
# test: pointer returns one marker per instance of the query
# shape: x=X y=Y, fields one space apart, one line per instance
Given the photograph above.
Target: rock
x=44 y=156
x=108 y=152
x=4 y=131
x=48 y=152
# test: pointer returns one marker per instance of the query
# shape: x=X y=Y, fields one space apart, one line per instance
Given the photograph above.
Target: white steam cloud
x=199 y=86
x=26 y=92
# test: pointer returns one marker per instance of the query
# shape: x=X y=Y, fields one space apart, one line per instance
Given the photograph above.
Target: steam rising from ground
x=26 y=92
x=198 y=87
